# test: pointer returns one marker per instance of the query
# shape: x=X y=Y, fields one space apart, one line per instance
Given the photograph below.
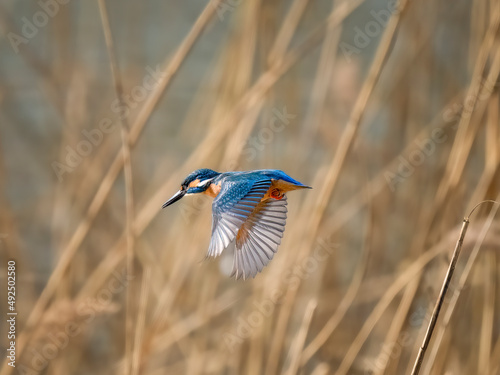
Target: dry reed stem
x=127 y=171
x=495 y=354
x=141 y=321
x=257 y=345
x=492 y=158
x=449 y=275
x=321 y=369
x=326 y=64
x=487 y=324
x=461 y=283
x=478 y=26
x=286 y=32
x=491 y=151
x=298 y=343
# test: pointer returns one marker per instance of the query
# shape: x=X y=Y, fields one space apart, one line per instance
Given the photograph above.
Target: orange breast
x=213 y=190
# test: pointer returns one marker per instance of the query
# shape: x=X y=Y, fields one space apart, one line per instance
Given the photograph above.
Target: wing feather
x=257 y=225
x=231 y=208
x=258 y=237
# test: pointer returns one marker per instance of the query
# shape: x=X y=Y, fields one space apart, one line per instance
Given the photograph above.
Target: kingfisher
x=249 y=207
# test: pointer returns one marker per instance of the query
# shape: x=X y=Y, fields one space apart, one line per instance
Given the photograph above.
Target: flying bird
x=248 y=208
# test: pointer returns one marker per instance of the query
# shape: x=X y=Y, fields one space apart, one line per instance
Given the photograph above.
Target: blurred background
x=390 y=110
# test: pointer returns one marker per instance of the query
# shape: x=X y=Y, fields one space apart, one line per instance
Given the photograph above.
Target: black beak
x=175 y=198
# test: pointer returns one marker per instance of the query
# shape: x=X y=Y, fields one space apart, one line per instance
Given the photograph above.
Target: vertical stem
x=127 y=172
x=439 y=302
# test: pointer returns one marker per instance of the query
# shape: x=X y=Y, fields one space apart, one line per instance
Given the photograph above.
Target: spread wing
x=259 y=237
x=231 y=208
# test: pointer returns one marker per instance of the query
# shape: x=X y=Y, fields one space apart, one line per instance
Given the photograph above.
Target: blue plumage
x=199 y=174
x=248 y=208
x=258 y=174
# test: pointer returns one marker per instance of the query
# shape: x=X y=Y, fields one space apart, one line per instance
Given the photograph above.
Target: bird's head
x=196 y=182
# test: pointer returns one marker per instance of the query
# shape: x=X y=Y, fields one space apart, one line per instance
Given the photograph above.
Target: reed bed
x=390 y=110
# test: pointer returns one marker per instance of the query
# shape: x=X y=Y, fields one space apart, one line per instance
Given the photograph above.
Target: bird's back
x=256 y=175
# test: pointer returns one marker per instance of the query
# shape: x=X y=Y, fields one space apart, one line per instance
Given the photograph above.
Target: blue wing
x=231 y=208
